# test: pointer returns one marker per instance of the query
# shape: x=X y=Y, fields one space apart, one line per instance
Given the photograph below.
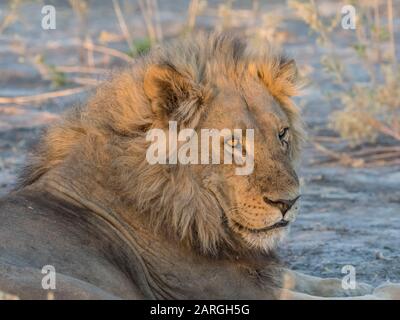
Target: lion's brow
x=245 y=101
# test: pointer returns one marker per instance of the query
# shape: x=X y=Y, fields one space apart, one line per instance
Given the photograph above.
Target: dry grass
x=369 y=108
x=94 y=58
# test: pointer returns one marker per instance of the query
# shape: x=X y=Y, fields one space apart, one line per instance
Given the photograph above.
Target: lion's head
x=212 y=82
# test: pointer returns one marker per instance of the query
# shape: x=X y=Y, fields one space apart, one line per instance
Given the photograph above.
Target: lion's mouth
x=278 y=225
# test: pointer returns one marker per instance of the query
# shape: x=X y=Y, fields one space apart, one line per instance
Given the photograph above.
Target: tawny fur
x=108 y=133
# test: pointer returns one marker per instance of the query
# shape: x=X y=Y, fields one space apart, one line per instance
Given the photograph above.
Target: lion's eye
x=283 y=135
x=233 y=142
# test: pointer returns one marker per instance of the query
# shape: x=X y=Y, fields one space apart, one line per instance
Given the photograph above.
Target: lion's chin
x=261 y=239
x=266 y=241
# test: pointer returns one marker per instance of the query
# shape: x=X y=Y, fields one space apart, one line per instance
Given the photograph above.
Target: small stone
x=379 y=256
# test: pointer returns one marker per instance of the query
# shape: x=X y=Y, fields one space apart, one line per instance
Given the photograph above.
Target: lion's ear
x=167 y=89
x=280 y=77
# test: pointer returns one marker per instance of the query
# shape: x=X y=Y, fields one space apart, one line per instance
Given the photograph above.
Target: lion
x=92 y=219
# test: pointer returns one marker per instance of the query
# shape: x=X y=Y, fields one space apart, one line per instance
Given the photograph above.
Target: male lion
x=114 y=226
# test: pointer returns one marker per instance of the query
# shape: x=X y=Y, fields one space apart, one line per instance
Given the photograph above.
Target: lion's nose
x=282 y=204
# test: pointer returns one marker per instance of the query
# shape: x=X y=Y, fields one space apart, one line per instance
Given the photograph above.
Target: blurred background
x=350 y=173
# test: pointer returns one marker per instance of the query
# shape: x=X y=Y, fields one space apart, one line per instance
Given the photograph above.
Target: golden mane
x=108 y=133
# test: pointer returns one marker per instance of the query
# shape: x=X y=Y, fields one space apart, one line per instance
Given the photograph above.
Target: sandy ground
x=348 y=216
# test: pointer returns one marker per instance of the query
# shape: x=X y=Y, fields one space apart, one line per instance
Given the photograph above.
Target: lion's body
x=38 y=229
x=114 y=226
x=94 y=260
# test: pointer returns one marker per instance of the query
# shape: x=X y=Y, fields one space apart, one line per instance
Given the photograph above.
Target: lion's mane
x=104 y=140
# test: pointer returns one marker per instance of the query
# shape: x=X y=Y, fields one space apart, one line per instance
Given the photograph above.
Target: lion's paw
x=362 y=289
x=388 y=291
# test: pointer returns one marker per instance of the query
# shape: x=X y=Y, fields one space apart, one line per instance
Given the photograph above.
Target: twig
x=378 y=156
x=192 y=14
x=108 y=51
x=391 y=30
x=84 y=81
x=122 y=25
x=90 y=56
x=147 y=16
x=384 y=156
x=341 y=157
x=157 y=20
x=393 y=162
x=43 y=96
x=376 y=150
x=377 y=30
x=45 y=73
x=81 y=69
x=383 y=128
x=327 y=139
x=81 y=10
x=11 y=17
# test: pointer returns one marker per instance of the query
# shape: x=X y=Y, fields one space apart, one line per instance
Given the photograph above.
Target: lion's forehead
x=245 y=110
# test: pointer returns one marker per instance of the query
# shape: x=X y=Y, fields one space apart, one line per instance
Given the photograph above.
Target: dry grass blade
x=326 y=139
x=123 y=25
x=81 y=69
x=373 y=151
x=391 y=30
x=192 y=14
x=147 y=11
x=43 y=96
x=11 y=16
x=378 y=156
x=342 y=158
x=383 y=128
x=384 y=156
x=84 y=81
x=108 y=51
